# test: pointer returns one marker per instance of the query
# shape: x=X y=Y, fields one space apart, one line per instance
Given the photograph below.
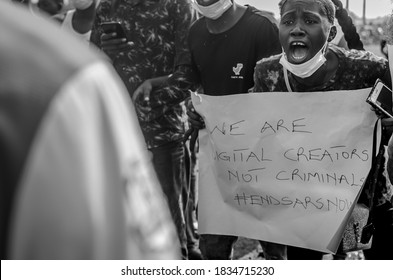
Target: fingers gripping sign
x=195 y=120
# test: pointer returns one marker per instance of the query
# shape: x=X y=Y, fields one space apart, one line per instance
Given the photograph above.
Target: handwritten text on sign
x=283 y=167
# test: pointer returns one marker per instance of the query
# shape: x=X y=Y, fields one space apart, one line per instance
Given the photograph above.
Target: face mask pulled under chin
x=306 y=69
x=213 y=11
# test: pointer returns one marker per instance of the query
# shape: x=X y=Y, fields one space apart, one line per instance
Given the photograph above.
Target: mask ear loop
x=287 y=80
x=195 y=6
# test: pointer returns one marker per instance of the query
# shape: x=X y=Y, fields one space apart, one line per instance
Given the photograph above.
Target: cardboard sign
x=283 y=167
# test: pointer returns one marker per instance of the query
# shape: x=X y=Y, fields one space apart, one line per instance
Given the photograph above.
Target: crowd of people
x=98 y=133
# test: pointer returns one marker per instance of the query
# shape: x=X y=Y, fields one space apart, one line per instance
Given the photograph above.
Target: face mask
x=213 y=11
x=307 y=68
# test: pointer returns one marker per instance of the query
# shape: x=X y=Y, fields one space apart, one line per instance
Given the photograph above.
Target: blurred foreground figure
x=74 y=178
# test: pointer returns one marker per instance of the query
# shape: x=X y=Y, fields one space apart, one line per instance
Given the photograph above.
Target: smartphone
x=380 y=98
x=110 y=27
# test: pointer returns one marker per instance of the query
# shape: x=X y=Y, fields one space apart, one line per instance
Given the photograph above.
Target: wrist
x=158 y=81
x=82 y=4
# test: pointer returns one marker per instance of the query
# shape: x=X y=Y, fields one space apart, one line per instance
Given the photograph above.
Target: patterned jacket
x=157 y=31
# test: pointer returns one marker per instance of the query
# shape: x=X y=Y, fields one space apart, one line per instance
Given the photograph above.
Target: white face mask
x=213 y=11
x=307 y=68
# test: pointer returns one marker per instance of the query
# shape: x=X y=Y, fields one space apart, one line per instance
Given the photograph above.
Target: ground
x=249 y=249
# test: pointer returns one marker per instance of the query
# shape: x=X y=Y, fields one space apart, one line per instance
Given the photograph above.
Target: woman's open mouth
x=298 y=52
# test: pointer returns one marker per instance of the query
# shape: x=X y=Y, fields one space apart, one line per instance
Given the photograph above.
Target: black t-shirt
x=225 y=62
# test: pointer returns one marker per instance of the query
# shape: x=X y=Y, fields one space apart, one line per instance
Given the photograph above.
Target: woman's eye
x=310 y=21
x=287 y=22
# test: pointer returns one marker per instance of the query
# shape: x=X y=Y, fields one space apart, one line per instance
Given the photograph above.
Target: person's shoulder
x=354 y=55
x=261 y=14
x=360 y=61
x=269 y=65
x=270 y=62
x=268 y=75
x=199 y=24
x=365 y=65
x=179 y=2
x=179 y=7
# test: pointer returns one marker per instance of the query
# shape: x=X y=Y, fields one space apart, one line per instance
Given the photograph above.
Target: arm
x=107 y=41
x=176 y=88
x=178 y=85
x=260 y=78
x=144 y=90
x=83 y=19
x=79 y=21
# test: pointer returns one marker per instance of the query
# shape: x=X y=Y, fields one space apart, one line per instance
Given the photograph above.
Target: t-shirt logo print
x=237 y=69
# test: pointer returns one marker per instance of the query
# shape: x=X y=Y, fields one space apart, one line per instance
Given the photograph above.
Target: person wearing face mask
x=309 y=62
x=225 y=43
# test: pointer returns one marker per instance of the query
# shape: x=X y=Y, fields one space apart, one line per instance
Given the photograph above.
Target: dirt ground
x=246 y=249
x=249 y=249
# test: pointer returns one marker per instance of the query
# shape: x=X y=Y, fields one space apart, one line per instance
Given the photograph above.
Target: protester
x=311 y=63
x=75 y=182
x=79 y=21
x=226 y=42
x=75 y=16
x=154 y=63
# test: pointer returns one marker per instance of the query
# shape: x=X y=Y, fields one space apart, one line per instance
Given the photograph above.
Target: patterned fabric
x=356 y=70
x=157 y=31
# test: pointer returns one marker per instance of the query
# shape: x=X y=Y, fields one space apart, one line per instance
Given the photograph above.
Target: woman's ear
x=333 y=33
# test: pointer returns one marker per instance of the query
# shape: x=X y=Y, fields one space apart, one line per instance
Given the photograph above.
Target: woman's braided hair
x=349 y=29
x=327 y=8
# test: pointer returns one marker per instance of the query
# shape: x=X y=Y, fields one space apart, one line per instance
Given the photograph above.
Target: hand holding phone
x=114 y=36
x=381 y=98
x=114 y=27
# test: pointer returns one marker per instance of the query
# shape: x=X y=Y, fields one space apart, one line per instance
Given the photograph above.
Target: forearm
x=84 y=16
x=159 y=81
x=177 y=87
x=171 y=93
